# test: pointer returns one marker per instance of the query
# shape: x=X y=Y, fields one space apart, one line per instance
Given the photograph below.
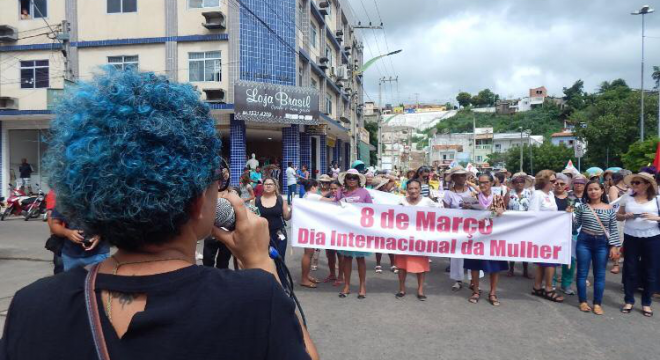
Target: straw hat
x=645 y=176
x=325 y=178
x=528 y=181
x=342 y=176
x=457 y=170
x=379 y=181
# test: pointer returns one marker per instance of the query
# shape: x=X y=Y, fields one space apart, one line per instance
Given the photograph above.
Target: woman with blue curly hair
x=135 y=160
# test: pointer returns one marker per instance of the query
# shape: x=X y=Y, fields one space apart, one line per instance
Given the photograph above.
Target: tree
x=464 y=99
x=546 y=156
x=640 y=154
x=575 y=99
x=656 y=76
x=372 y=128
x=485 y=98
x=610 y=124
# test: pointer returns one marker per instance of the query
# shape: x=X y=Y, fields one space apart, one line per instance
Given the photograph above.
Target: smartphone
x=637 y=215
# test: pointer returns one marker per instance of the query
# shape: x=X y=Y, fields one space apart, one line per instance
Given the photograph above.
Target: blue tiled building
x=211 y=44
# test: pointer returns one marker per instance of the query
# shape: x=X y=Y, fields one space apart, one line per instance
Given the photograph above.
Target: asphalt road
x=381 y=327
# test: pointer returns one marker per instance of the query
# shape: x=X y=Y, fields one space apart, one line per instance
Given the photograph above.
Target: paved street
x=444 y=327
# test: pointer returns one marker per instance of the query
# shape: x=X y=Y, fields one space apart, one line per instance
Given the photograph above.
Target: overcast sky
x=508 y=46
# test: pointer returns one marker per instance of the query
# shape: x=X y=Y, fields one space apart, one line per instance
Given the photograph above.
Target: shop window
x=199 y=4
x=34 y=74
x=204 y=66
x=315 y=84
x=124 y=62
x=33 y=9
x=122 y=6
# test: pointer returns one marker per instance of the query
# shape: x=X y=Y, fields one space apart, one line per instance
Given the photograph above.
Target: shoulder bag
x=607 y=233
x=93 y=314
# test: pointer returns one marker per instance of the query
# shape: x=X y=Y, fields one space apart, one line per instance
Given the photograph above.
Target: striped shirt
x=585 y=219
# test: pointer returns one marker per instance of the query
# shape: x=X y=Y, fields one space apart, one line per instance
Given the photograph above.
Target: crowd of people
x=610 y=209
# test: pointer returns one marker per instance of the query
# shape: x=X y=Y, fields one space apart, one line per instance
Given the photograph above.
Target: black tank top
x=272 y=214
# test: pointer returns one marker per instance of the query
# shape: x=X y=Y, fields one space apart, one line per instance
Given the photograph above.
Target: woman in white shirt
x=544 y=200
x=642 y=240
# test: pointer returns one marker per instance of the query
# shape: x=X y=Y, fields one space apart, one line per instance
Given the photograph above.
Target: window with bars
x=34 y=74
x=122 y=6
x=124 y=62
x=199 y=4
x=204 y=66
x=33 y=9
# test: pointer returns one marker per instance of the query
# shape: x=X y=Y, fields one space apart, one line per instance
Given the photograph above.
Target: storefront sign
x=261 y=102
x=532 y=236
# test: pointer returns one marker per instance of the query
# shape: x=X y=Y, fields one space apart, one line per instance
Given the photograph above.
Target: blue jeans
x=291 y=193
x=640 y=267
x=74 y=262
x=591 y=249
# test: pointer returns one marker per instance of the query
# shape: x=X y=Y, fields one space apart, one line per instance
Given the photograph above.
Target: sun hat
x=457 y=170
x=379 y=181
x=325 y=178
x=528 y=181
x=342 y=176
x=580 y=179
x=642 y=175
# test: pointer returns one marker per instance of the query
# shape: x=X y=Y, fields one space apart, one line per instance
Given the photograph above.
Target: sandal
x=615 y=269
x=343 y=295
x=625 y=309
x=394 y=269
x=493 y=300
x=457 y=286
x=379 y=269
x=400 y=294
x=538 y=292
x=314 y=280
x=474 y=298
x=584 y=307
x=421 y=297
x=598 y=310
x=472 y=288
x=310 y=286
x=647 y=313
x=361 y=296
x=553 y=296
x=329 y=279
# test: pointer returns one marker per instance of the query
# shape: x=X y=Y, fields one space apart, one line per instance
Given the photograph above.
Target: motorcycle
x=17 y=202
x=36 y=207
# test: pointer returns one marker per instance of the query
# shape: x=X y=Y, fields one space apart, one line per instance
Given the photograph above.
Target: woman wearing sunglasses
x=353 y=192
x=642 y=238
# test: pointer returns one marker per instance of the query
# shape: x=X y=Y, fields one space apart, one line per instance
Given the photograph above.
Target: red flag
x=656 y=161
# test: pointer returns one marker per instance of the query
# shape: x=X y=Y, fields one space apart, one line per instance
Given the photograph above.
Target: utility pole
x=521 y=149
x=380 y=117
x=645 y=10
x=64 y=38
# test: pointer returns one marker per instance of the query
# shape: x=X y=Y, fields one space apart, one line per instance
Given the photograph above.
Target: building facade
x=48 y=45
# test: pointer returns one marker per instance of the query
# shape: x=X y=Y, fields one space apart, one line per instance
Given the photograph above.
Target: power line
x=387 y=47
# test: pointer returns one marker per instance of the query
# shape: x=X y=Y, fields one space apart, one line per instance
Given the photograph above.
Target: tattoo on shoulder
x=124 y=298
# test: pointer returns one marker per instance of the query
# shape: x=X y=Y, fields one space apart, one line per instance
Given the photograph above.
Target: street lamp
x=358 y=72
x=643 y=11
x=521 y=149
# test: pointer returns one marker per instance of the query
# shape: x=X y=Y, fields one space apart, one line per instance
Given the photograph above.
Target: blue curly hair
x=129 y=153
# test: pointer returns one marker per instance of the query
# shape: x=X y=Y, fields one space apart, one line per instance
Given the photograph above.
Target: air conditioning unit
x=342 y=72
x=322 y=62
x=340 y=83
x=214 y=20
x=215 y=95
x=8 y=103
x=323 y=7
x=339 y=33
x=347 y=48
x=8 y=34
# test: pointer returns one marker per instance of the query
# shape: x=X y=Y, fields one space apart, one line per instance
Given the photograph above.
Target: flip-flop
x=315 y=280
x=399 y=295
x=362 y=296
x=343 y=295
x=421 y=297
x=329 y=279
x=311 y=286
